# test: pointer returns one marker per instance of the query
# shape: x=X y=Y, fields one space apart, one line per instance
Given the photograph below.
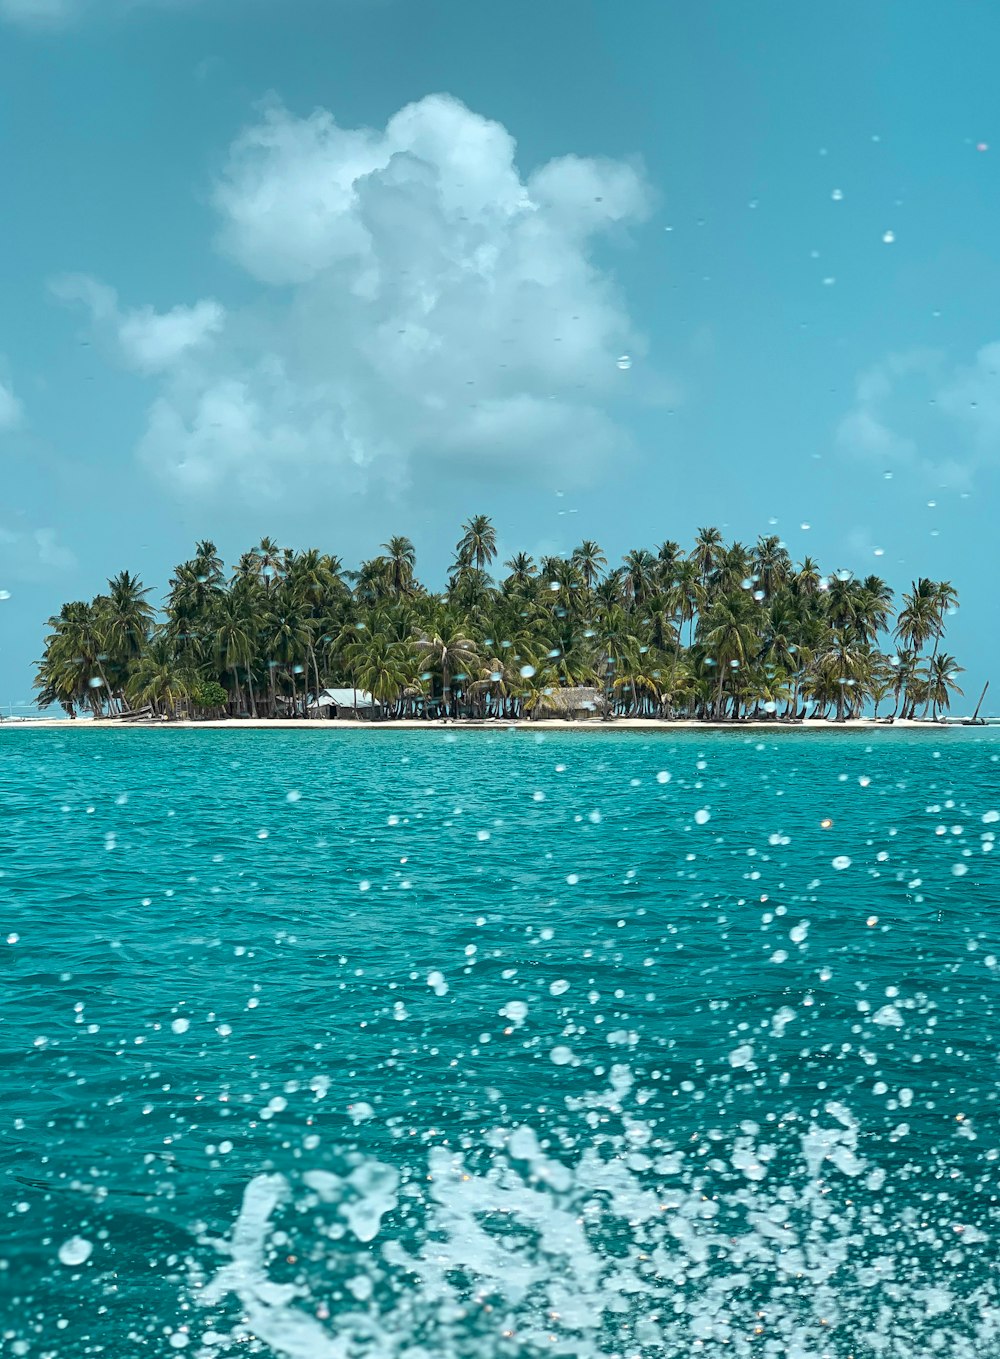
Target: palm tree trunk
x=316 y=669
x=930 y=670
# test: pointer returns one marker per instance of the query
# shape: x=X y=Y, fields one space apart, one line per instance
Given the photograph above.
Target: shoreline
x=487 y=724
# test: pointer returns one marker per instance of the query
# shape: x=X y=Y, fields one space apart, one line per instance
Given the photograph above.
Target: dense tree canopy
x=724 y=631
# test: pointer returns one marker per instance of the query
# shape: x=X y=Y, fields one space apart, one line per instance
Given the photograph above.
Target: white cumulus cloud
x=144 y=339
x=922 y=412
x=422 y=305
x=154 y=341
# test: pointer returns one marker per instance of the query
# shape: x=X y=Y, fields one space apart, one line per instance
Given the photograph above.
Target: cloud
x=153 y=342
x=33 y=554
x=11 y=409
x=145 y=340
x=422 y=308
x=921 y=411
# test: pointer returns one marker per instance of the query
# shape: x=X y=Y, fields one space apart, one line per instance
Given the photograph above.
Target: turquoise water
x=418 y=1044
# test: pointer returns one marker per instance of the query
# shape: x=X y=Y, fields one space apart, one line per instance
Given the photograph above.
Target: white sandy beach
x=493 y=724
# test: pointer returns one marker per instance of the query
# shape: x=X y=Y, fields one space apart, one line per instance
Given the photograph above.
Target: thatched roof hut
x=577 y=704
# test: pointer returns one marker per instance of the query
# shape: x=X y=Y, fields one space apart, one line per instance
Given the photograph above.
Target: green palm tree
x=945 y=598
x=771 y=564
x=448 y=649
x=234 y=642
x=478 y=545
x=638 y=577
x=805 y=581
x=522 y=573
x=590 y=561
x=668 y=558
x=843 y=666
x=129 y=617
x=942 y=681
x=730 y=639
x=732 y=569
x=287 y=640
x=160 y=681
x=401 y=557
x=707 y=547
x=638 y=681
x=904 y=668
x=691 y=594
x=919 y=619
x=382 y=668
x=271 y=558
x=497 y=686
x=873 y=608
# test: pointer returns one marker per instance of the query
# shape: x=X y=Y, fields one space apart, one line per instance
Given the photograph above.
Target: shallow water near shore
x=487 y=1043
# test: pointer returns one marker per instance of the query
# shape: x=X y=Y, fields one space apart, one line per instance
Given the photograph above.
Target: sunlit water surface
x=414 y=1045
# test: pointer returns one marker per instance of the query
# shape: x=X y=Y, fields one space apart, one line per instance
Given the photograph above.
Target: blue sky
x=331 y=270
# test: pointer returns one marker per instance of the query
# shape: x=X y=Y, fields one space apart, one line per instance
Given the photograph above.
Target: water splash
x=598 y=1237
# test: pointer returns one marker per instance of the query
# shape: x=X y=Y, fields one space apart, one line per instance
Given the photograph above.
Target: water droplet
x=180 y=1024
x=516 y=1011
x=841 y=862
x=702 y=816
x=624 y=361
x=75 y=1251
x=888 y=237
x=528 y=670
x=837 y=195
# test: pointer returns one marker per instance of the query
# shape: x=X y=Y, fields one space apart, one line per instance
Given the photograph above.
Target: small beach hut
x=577 y=704
x=345 y=704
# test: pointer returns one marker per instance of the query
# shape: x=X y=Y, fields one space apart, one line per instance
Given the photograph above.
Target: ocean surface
x=418 y=1045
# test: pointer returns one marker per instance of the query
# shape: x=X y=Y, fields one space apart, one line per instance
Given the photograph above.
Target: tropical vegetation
x=721 y=631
